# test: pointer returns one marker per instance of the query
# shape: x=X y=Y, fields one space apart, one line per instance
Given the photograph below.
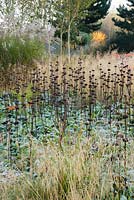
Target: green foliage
x=19 y=51
x=80 y=38
x=125 y=36
x=123 y=42
x=96 y=11
x=83 y=39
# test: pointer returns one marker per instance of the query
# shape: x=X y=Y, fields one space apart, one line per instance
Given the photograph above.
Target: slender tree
x=67 y=14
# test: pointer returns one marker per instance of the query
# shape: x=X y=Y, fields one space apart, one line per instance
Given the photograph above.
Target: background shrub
x=19 y=51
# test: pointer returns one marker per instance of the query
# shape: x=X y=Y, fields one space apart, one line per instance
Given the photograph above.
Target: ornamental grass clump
x=16 y=51
x=86 y=169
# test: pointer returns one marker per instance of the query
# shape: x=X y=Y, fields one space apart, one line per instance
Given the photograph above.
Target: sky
x=116 y=3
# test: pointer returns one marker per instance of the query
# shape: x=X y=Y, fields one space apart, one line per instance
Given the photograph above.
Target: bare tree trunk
x=49 y=44
x=61 y=46
x=49 y=47
x=69 y=49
